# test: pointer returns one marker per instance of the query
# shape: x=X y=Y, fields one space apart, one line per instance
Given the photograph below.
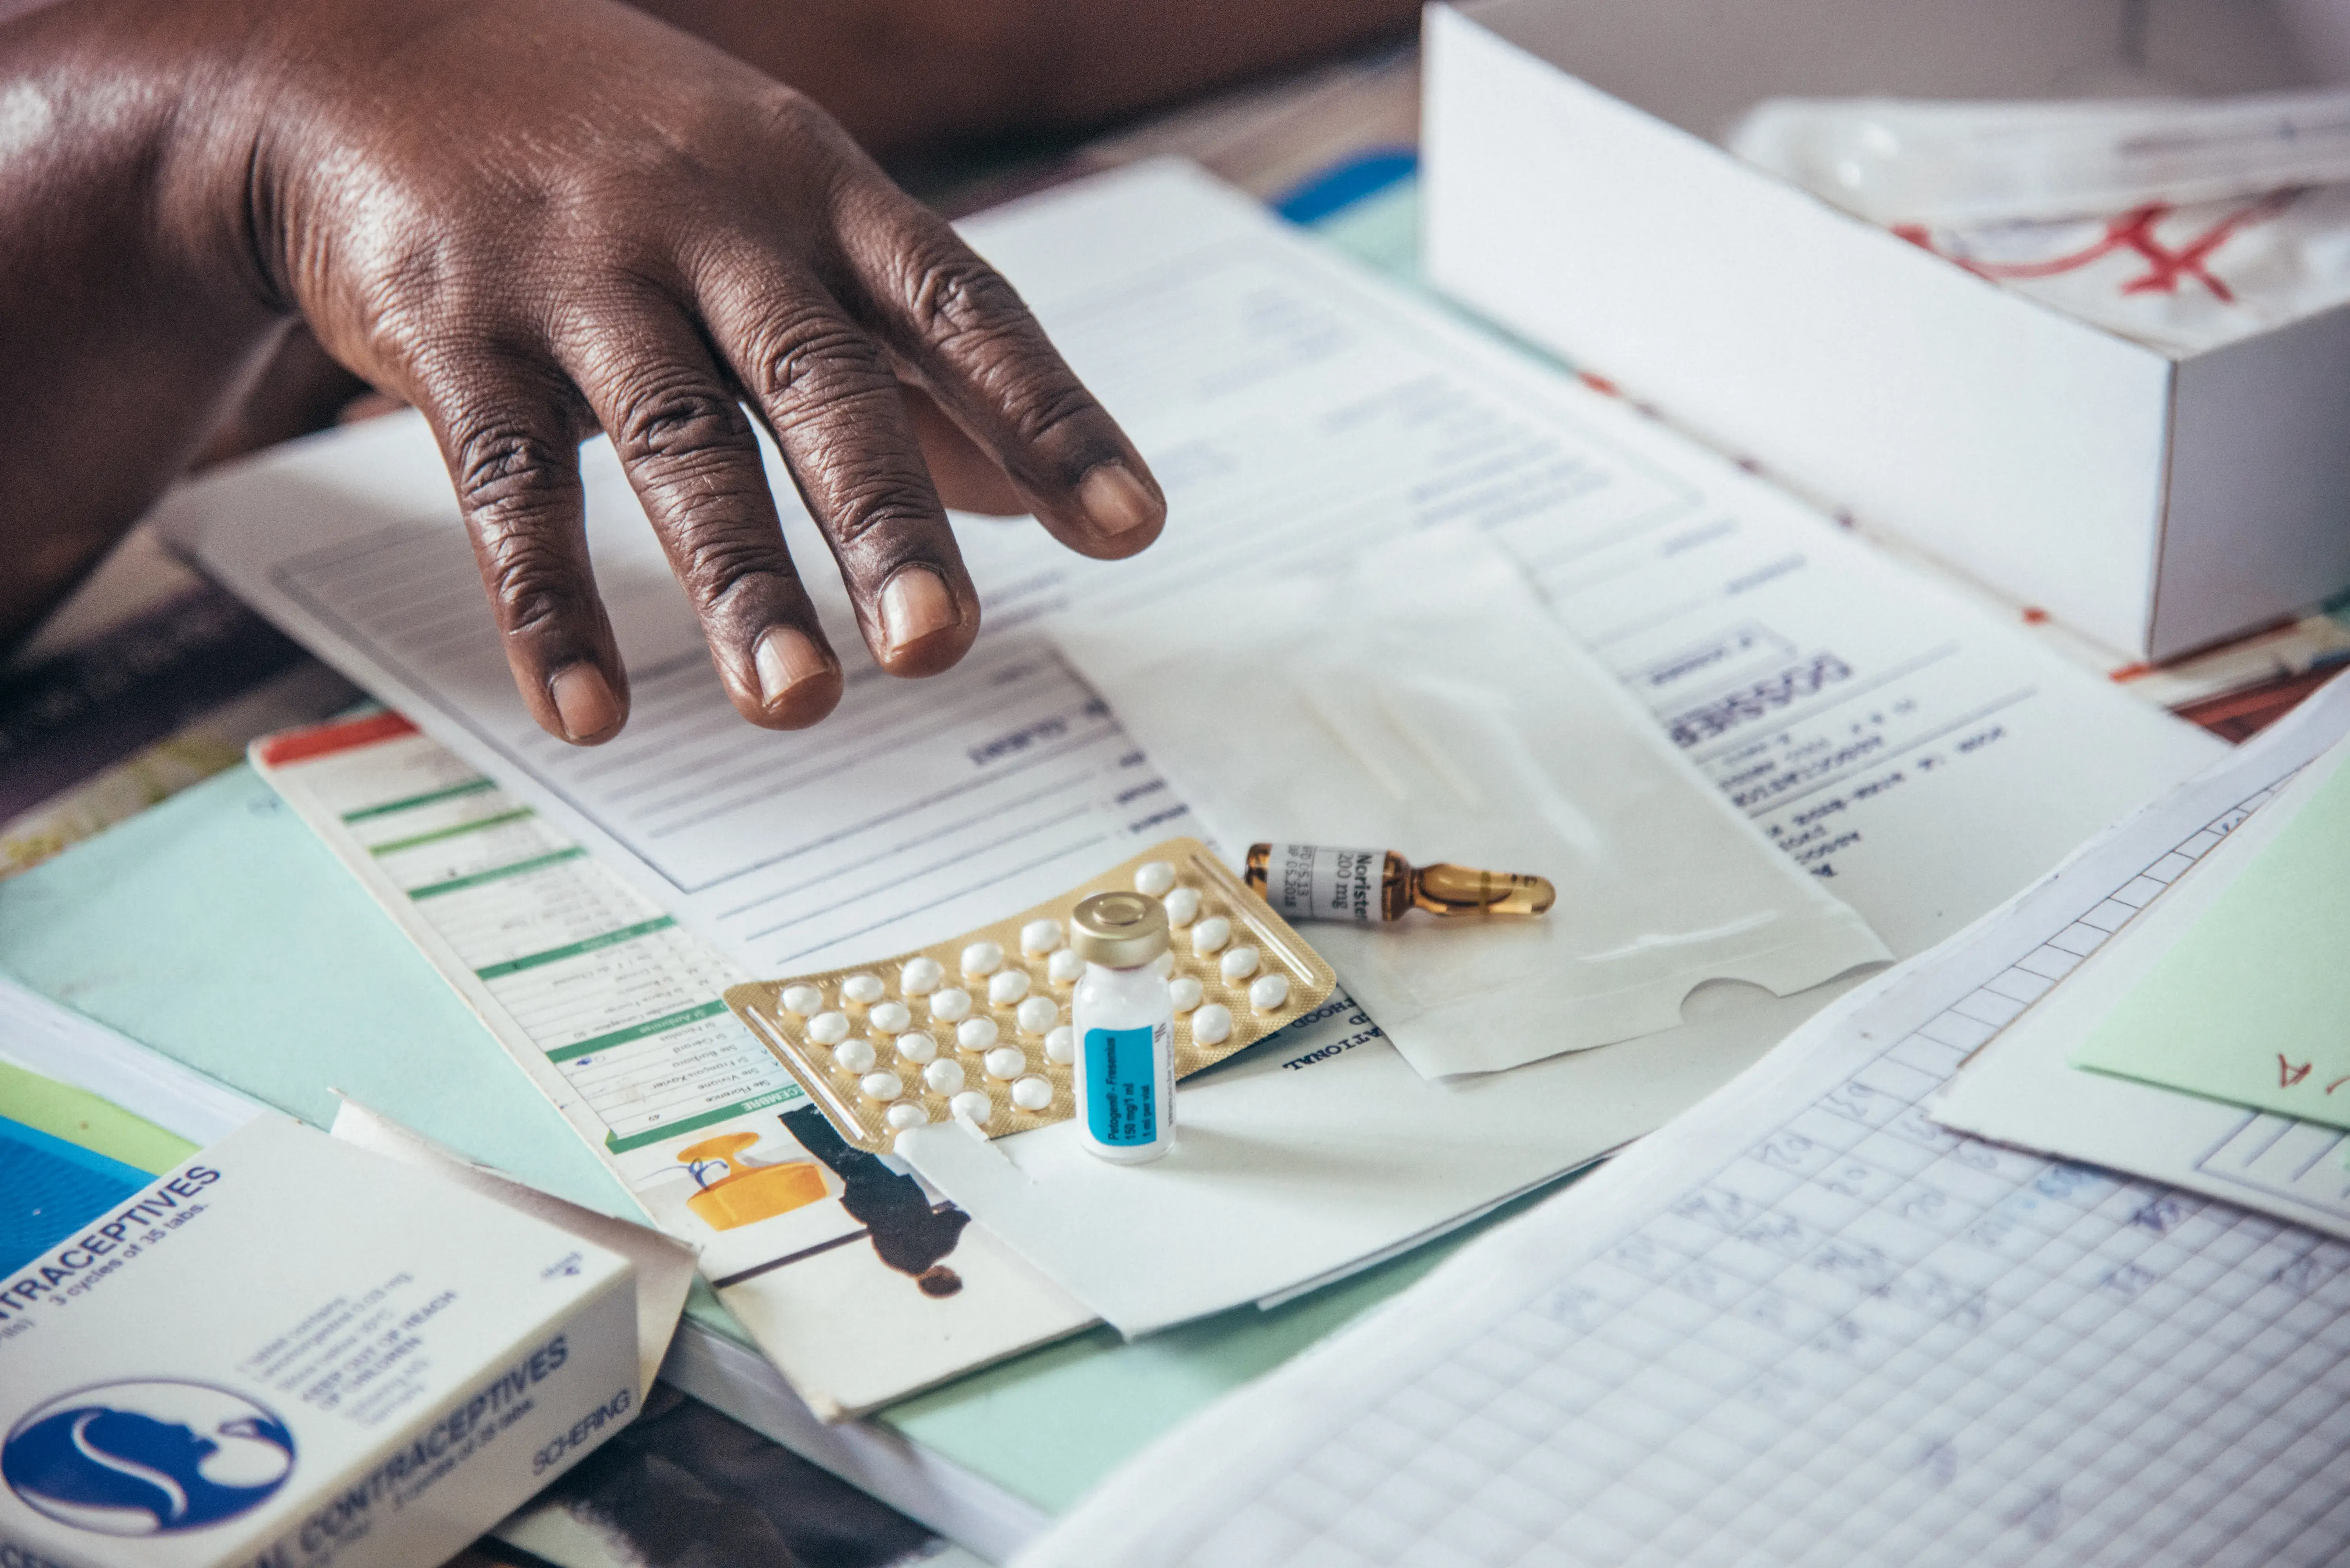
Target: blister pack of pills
x=976 y=1028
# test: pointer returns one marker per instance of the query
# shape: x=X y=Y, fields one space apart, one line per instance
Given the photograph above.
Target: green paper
x=2252 y=1004
x=216 y=929
x=81 y=1119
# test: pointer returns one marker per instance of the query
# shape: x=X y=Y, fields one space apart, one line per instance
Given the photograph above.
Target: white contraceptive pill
x=880 y=1086
x=988 y=1013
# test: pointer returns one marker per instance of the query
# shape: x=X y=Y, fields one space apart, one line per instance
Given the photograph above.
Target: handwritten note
x=2252 y=1004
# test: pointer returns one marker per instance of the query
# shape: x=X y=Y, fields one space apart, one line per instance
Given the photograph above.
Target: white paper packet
x=1957 y=163
x=2184 y=279
x=1420 y=698
x=2185 y=224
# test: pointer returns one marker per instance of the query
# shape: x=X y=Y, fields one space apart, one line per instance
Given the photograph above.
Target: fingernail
x=916 y=604
x=584 y=702
x=786 y=656
x=1115 y=501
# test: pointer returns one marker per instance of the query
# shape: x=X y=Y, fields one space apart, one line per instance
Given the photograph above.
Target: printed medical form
x=1291 y=407
x=1888 y=735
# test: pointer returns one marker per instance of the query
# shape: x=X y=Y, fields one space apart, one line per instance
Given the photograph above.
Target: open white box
x=1573 y=189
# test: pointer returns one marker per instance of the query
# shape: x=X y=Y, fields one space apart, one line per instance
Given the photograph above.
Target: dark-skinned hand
x=532 y=219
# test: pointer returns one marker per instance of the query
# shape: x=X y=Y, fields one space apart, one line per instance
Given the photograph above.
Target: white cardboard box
x=290 y=1353
x=1573 y=189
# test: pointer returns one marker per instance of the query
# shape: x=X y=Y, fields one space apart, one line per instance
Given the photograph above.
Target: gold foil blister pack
x=867 y=1042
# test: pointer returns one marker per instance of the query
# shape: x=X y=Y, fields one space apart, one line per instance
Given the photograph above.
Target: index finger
x=954 y=322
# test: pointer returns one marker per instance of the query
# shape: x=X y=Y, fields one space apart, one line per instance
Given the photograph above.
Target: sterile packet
x=2184 y=279
x=1952 y=162
x=1420 y=696
x=2185 y=224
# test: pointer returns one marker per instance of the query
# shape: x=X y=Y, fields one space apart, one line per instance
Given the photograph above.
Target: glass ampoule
x=1372 y=886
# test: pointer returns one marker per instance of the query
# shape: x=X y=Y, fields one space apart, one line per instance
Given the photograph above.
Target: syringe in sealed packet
x=976 y=1028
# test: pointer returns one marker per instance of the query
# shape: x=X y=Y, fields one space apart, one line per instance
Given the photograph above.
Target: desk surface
x=215 y=928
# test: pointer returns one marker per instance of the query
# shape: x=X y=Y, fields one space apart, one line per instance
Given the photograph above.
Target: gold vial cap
x=1119 y=930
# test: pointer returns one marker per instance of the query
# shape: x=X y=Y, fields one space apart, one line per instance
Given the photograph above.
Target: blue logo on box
x=147 y=1458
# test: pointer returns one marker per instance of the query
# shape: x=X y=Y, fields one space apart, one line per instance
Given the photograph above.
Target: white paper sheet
x=1805 y=1326
x=1925 y=758
x=1418 y=697
x=2020 y=1089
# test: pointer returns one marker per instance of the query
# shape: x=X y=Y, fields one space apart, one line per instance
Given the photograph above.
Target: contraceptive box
x=291 y=1353
x=1575 y=189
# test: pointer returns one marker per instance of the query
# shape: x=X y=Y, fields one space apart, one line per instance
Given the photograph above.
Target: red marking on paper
x=2288 y=1074
x=2167 y=266
x=326 y=740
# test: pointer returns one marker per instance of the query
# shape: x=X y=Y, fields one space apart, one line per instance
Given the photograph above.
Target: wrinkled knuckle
x=789 y=115
x=952 y=295
x=505 y=469
x=716 y=564
x=681 y=420
x=530 y=582
x=811 y=356
x=1041 y=408
x=868 y=504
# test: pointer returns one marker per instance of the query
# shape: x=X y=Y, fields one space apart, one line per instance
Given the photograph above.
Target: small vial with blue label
x=1125 y=1023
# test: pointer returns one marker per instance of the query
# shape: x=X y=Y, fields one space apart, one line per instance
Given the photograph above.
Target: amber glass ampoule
x=1369 y=886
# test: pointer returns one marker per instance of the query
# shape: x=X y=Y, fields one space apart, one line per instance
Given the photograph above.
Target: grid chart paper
x=1857 y=1339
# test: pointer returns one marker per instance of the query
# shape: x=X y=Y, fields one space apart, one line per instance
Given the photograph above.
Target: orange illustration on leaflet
x=749 y=1192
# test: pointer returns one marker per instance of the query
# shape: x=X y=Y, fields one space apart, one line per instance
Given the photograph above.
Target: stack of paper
x=1923 y=758
x=613 y=1012
x=1806 y=1325
x=2203 y=1046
